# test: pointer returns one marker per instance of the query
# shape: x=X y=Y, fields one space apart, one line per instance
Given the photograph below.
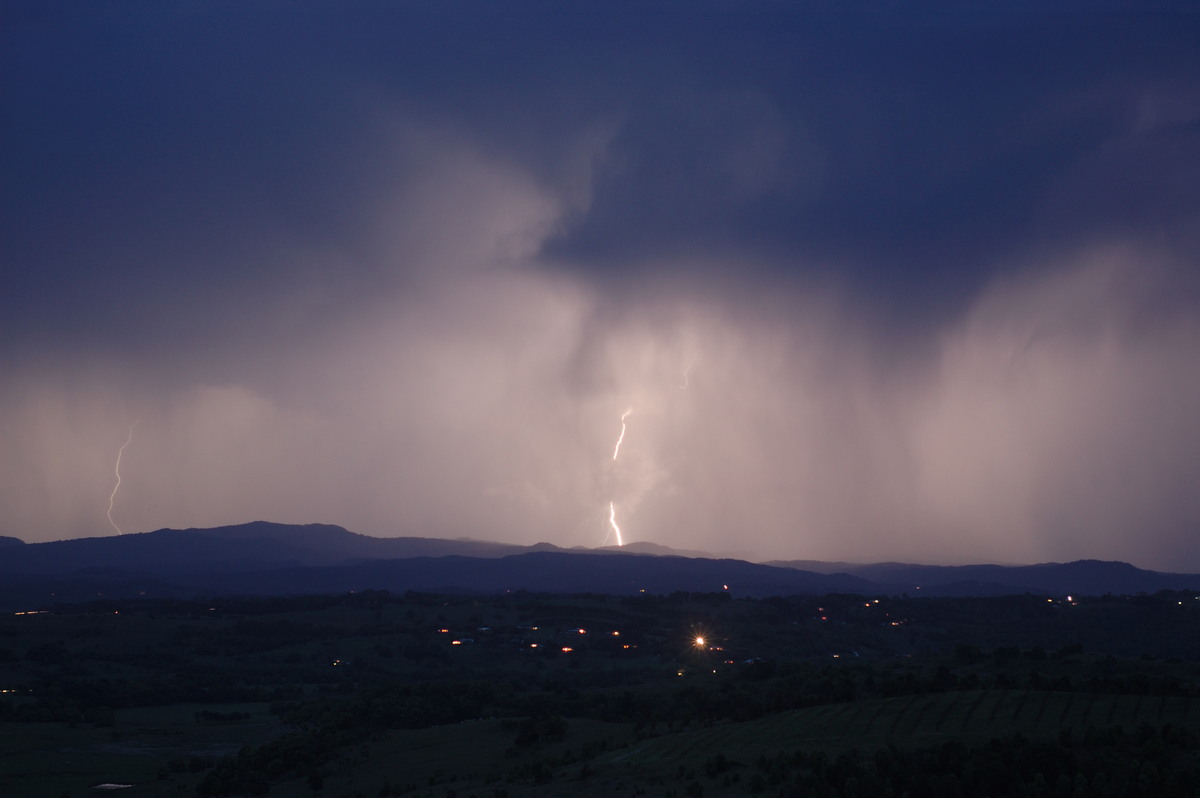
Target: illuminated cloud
x=860 y=309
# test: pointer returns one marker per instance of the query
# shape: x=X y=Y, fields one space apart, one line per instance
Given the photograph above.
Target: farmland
x=531 y=694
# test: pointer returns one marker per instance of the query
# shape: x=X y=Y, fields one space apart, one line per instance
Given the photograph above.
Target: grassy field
x=55 y=759
x=470 y=758
x=904 y=722
x=479 y=758
x=923 y=720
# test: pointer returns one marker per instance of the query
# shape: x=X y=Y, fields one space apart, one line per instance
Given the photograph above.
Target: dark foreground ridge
x=540 y=695
x=270 y=559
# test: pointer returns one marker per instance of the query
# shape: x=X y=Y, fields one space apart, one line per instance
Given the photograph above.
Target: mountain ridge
x=265 y=558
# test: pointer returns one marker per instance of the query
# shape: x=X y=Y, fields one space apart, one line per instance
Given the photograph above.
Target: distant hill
x=643 y=547
x=1083 y=577
x=6 y=541
x=244 y=547
x=550 y=572
x=262 y=558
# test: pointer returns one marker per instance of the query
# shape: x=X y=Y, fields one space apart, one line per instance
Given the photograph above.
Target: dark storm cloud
x=877 y=284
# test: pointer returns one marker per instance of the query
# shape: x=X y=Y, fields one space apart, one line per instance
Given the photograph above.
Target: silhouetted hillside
x=1083 y=577
x=263 y=558
x=551 y=572
x=244 y=547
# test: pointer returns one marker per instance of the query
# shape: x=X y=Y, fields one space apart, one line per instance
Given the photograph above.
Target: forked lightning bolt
x=117 y=471
x=612 y=519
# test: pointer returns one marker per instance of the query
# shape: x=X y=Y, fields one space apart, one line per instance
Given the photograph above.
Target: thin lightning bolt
x=687 y=370
x=117 y=471
x=612 y=520
x=612 y=507
x=621 y=437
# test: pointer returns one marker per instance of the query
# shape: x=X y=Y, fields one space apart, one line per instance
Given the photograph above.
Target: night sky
x=876 y=281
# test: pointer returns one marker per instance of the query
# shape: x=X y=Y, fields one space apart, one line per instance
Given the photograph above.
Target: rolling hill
x=263 y=558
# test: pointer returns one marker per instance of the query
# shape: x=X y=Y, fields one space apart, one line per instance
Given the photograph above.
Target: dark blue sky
x=930 y=271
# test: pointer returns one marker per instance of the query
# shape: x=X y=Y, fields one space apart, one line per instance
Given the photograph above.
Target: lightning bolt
x=621 y=437
x=117 y=471
x=612 y=520
x=612 y=507
x=687 y=370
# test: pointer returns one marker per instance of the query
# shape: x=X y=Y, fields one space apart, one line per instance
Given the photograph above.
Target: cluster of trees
x=253 y=769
